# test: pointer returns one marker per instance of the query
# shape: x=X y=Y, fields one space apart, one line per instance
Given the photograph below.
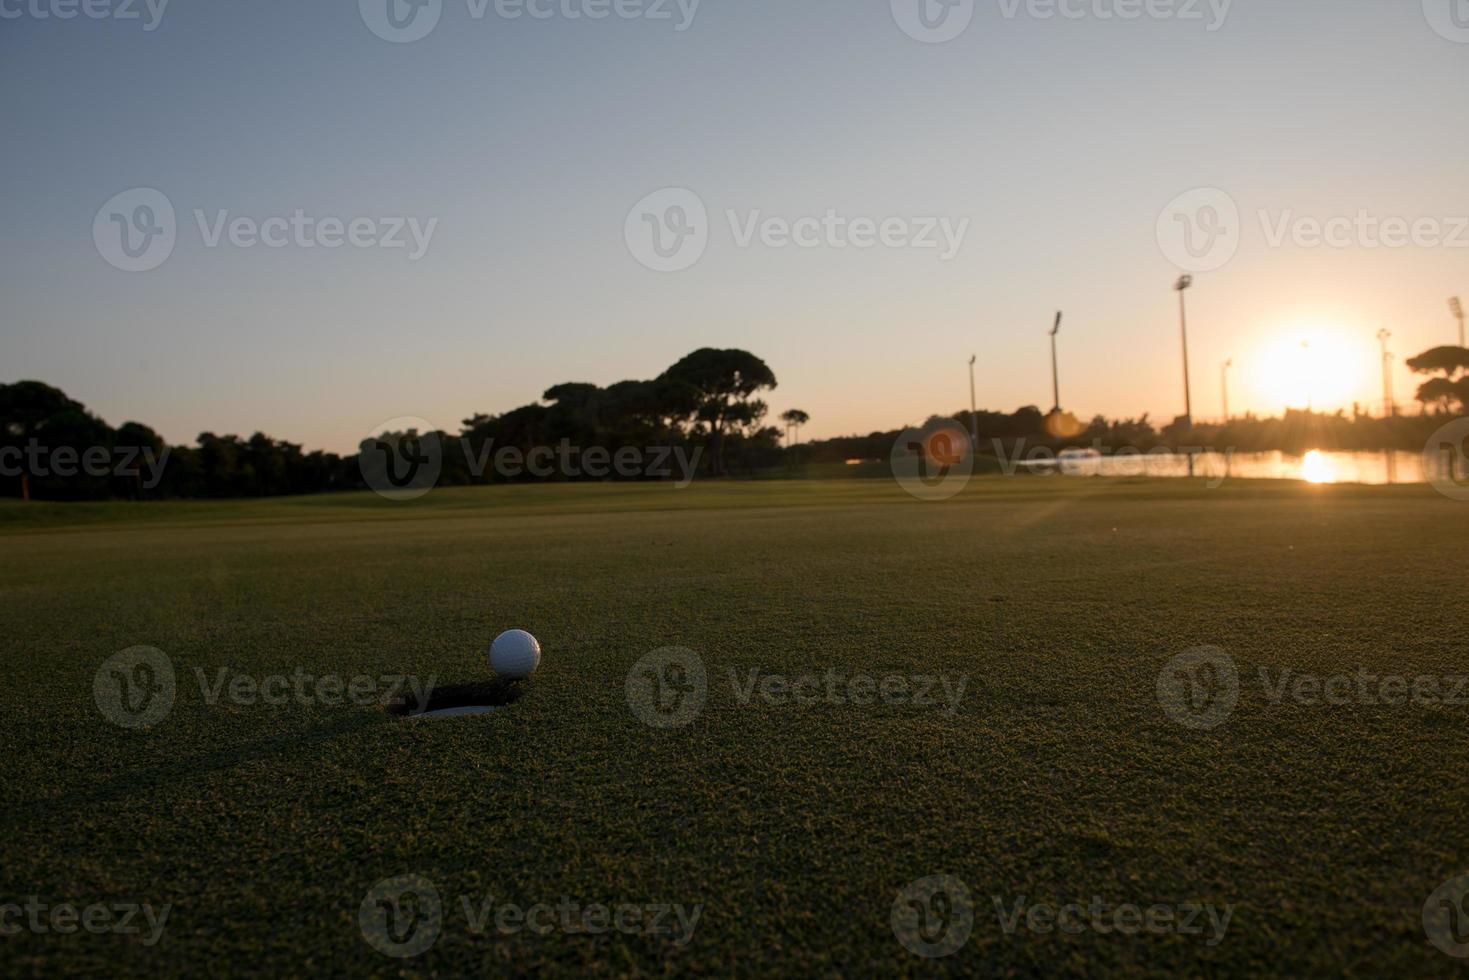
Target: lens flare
x=1063 y=425
x=944 y=449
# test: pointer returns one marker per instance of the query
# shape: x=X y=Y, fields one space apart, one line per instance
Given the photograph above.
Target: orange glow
x=1314 y=366
x=945 y=448
x=1316 y=468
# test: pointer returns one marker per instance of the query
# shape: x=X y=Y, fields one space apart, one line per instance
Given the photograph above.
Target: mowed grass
x=1058 y=778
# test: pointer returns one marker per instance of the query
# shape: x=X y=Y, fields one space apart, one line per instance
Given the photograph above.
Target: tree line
x=53 y=448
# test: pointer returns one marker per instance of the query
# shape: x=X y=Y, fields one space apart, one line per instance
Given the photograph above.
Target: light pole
x=1055 y=370
x=1457 y=308
x=1184 y=282
x=1224 y=385
x=1389 y=409
x=973 y=406
x=1310 y=379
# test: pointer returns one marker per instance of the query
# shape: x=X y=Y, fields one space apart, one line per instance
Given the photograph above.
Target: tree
x=677 y=401
x=1443 y=393
x=135 y=438
x=632 y=412
x=749 y=416
x=574 y=394
x=724 y=380
x=1448 y=362
x=574 y=412
x=33 y=411
x=794 y=419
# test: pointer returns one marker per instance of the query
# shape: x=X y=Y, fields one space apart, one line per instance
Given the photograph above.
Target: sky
x=1080 y=159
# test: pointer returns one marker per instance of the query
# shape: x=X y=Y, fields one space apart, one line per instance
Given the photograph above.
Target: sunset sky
x=1060 y=140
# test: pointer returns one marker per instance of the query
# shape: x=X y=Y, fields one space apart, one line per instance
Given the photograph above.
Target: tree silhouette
x=138 y=437
x=724 y=380
x=794 y=419
x=710 y=396
x=1453 y=364
x=1443 y=393
x=31 y=410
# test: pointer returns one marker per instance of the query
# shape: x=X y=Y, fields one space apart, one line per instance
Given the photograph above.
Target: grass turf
x=1058 y=778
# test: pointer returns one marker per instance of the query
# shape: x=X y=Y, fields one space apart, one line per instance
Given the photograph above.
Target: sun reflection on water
x=1316 y=468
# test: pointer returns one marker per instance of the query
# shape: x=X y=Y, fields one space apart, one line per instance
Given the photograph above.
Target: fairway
x=786 y=816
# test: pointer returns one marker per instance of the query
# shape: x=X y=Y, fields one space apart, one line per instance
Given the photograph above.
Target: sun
x=1313 y=366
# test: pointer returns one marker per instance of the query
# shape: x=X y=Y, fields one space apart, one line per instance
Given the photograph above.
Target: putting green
x=800 y=773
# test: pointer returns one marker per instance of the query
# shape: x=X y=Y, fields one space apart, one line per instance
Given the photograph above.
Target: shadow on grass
x=495 y=694
x=144 y=782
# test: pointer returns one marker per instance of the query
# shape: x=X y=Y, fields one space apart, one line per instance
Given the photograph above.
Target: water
x=1373 y=468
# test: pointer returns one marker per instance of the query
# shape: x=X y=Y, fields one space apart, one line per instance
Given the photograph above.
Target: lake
x=1376 y=468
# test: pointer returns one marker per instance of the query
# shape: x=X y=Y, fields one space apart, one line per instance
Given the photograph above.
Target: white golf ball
x=515 y=654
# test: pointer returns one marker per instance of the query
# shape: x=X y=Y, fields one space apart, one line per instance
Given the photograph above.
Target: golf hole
x=458 y=701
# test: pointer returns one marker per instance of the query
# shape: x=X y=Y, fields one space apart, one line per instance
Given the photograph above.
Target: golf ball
x=515 y=654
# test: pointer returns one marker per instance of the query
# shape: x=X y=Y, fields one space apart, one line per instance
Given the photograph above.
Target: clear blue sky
x=1060 y=140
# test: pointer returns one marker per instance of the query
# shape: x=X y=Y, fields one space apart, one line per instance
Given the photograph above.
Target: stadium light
x=973 y=406
x=1183 y=284
x=1388 y=408
x=1055 y=370
x=1224 y=385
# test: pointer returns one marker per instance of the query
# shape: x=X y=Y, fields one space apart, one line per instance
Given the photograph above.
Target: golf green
x=864 y=691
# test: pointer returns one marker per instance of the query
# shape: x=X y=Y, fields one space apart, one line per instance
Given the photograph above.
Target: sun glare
x=1313 y=367
x=1316 y=468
